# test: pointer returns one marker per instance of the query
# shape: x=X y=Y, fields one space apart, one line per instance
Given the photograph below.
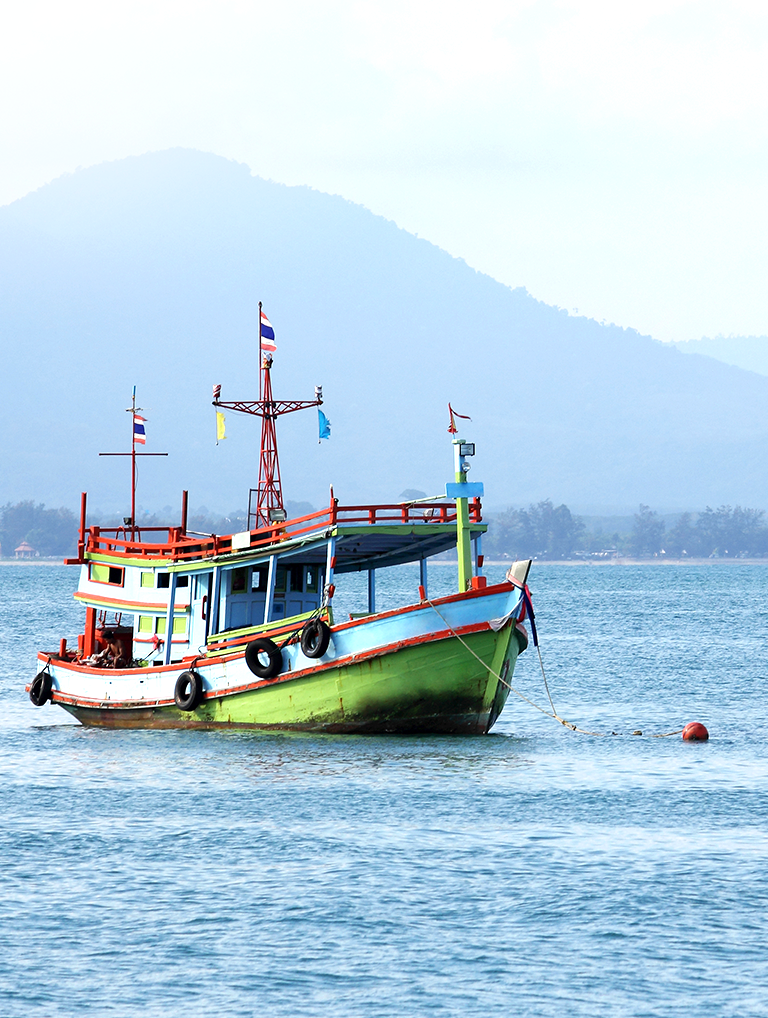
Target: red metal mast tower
x=269 y=493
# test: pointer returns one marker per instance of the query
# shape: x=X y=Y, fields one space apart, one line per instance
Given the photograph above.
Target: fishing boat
x=190 y=630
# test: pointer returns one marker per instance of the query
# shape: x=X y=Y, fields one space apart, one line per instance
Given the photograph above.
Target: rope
x=550 y=714
x=312 y=618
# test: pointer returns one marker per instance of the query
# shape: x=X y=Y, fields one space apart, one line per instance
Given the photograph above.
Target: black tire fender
x=315 y=637
x=264 y=658
x=189 y=691
x=40 y=688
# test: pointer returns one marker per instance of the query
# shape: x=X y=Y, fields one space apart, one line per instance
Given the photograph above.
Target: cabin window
x=147 y=579
x=312 y=579
x=101 y=573
x=164 y=581
x=239 y=581
x=296 y=577
x=280 y=579
x=158 y=624
x=259 y=576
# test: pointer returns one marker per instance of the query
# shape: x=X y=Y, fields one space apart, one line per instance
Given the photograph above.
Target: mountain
x=748 y=352
x=147 y=271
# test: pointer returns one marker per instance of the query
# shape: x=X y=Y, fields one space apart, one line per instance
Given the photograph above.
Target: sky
x=609 y=157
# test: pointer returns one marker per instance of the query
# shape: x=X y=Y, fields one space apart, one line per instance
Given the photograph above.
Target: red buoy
x=695 y=732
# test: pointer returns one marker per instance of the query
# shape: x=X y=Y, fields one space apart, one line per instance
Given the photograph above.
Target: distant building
x=26 y=551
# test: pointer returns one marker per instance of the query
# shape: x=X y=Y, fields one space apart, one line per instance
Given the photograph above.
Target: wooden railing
x=178 y=546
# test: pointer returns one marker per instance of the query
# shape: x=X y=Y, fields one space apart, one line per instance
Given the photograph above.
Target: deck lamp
x=467 y=449
x=277 y=516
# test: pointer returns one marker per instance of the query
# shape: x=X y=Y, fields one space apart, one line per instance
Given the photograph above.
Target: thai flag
x=139 y=435
x=267 y=335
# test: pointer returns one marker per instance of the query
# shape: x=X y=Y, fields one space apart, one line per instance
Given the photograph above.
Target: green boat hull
x=437 y=686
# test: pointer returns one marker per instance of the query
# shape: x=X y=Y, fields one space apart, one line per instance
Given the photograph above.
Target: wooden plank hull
x=408 y=671
x=437 y=687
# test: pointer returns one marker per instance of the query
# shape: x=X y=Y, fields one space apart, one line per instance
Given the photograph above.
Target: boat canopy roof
x=374 y=546
x=367 y=537
x=377 y=546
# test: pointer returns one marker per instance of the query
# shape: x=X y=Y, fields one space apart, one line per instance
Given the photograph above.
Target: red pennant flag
x=452 y=427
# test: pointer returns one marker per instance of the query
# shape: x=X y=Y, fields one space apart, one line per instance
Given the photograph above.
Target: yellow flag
x=219 y=427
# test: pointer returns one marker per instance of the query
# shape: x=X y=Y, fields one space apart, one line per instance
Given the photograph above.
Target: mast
x=132 y=412
x=137 y=428
x=260 y=362
x=269 y=493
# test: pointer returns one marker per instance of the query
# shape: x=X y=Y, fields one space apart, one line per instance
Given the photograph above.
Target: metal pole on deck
x=260 y=389
x=133 y=464
x=169 y=619
x=423 y=575
x=269 y=595
x=133 y=454
x=463 y=541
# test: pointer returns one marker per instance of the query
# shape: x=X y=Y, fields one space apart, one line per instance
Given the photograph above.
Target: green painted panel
x=441 y=679
x=439 y=686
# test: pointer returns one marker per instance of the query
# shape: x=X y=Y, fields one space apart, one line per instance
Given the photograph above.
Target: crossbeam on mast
x=274 y=408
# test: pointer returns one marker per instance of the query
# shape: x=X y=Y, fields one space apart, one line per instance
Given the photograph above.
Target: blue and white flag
x=324 y=425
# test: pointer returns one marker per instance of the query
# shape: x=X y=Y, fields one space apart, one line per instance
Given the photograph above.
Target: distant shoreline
x=31 y=562
x=621 y=561
x=643 y=562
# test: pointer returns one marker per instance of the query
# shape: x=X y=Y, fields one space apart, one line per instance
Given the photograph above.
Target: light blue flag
x=324 y=425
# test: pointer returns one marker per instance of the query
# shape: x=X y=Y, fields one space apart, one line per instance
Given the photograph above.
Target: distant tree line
x=553 y=532
x=723 y=532
x=53 y=532
x=543 y=531
x=540 y=531
x=48 y=531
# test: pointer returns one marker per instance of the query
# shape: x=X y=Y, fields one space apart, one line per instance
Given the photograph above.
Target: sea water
x=533 y=872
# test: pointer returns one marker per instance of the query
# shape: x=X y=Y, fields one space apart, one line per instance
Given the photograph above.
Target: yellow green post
x=463 y=543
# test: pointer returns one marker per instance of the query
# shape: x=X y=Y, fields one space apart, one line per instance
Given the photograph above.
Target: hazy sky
x=611 y=157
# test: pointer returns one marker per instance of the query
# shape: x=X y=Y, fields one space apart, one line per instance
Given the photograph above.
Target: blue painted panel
x=469 y=489
x=378 y=632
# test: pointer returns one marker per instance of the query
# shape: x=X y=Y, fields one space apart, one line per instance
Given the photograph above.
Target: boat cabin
x=173 y=595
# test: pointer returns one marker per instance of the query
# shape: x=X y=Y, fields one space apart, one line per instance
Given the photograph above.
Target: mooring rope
x=550 y=714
